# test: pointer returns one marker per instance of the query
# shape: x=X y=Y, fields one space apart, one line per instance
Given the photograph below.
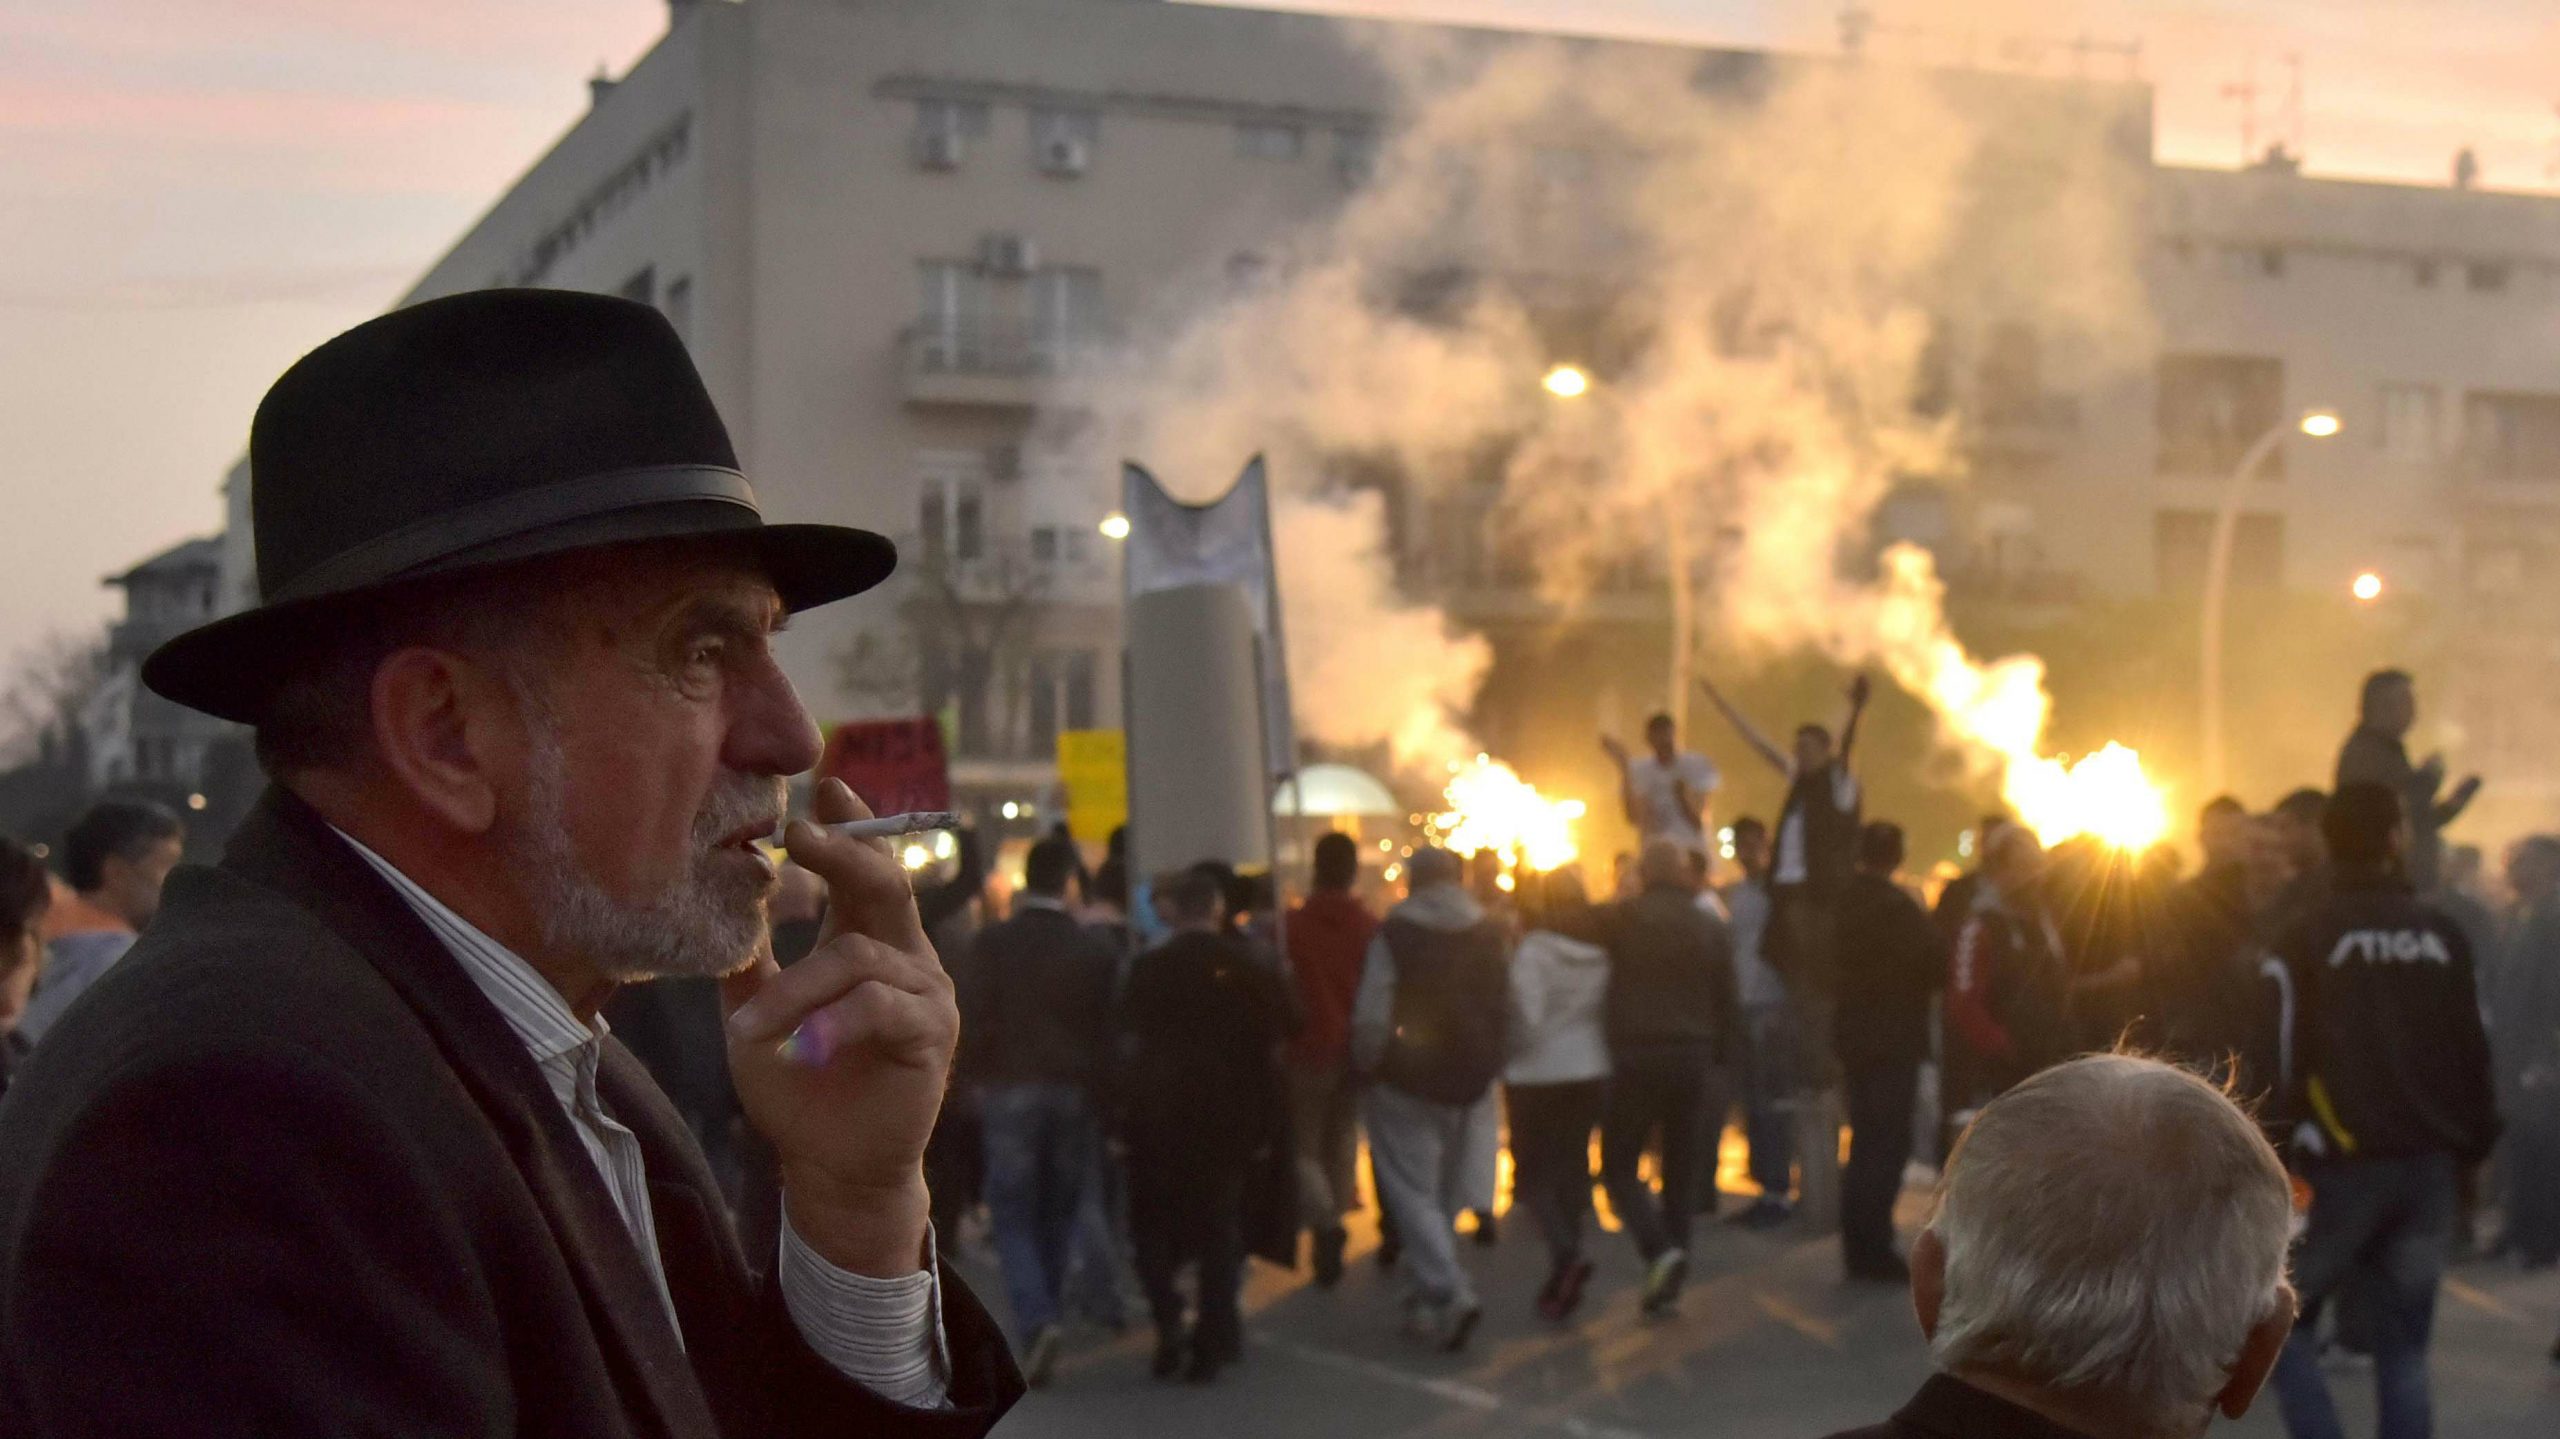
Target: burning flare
x=2000 y=709
x=1492 y=808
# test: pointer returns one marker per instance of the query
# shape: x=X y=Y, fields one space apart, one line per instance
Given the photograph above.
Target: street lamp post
x=2319 y=425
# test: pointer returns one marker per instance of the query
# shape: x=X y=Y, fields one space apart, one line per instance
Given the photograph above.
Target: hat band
x=452 y=532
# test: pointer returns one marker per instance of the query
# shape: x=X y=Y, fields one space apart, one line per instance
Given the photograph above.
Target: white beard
x=709 y=922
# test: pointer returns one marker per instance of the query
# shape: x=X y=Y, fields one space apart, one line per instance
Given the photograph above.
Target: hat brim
x=231 y=668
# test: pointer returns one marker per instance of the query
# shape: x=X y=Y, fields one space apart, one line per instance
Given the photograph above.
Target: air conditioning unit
x=1007 y=255
x=939 y=149
x=1064 y=155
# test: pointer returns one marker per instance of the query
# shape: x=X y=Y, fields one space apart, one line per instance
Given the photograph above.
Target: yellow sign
x=1093 y=765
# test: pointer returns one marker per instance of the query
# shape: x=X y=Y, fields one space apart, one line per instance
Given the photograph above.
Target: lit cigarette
x=890 y=826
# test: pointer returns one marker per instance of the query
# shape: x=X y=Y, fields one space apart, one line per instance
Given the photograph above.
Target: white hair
x=2114 y=1227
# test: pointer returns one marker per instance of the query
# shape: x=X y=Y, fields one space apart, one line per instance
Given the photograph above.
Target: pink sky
x=199 y=190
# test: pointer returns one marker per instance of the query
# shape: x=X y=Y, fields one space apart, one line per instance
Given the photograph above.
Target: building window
x=679 y=306
x=1066 y=308
x=2407 y=431
x=2486 y=277
x=642 y=287
x=2212 y=408
x=2183 y=546
x=2423 y=273
x=944 y=129
x=1256 y=141
x=2271 y=263
x=1060 y=691
x=1063 y=140
x=951 y=516
x=2512 y=437
x=952 y=313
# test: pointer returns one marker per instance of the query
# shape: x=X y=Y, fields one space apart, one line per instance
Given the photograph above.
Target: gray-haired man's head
x=2109 y=1249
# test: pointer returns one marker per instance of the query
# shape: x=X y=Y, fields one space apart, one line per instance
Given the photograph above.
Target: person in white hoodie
x=1557 y=1079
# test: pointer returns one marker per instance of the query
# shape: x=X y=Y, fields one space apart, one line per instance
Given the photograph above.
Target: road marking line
x=1453 y=1390
x=2485 y=1302
x=1820 y=1331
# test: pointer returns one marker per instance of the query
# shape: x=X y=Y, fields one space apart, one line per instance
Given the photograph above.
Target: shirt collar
x=541 y=1019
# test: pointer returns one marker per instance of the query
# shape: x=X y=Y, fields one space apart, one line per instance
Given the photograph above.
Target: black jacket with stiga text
x=2378 y=1042
x=286 y=1173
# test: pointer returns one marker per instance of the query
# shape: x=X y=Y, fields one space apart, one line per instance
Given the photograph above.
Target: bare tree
x=48 y=684
x=962 y=626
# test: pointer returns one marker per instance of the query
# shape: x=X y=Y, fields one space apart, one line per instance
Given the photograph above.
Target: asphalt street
x=1769 y=1341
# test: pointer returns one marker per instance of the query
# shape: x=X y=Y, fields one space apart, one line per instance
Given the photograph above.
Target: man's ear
x=440 y=724
x=2258 y=1355
x=1928 y=1280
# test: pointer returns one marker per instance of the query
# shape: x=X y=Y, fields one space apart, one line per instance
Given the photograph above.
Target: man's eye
x=704 y=652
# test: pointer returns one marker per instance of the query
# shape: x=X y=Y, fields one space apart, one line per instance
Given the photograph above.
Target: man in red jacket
x=1328 y=936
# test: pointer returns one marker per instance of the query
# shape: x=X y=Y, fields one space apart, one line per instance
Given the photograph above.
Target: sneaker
x=1461 y=1327
x=1575 y=1279
x=1204 y=1363
x=1662 y=1282
x=1424 y=1318
x=1326 y=1250
x=1764 y=1213
x=1040 y=1360
x=1487 y=1234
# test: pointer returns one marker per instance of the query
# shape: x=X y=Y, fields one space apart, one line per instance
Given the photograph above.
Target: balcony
x=988 y=364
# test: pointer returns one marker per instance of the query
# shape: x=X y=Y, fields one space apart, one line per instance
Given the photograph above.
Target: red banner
x=897 y=766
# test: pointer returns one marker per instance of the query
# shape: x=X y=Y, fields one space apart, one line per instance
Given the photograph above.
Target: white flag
x=1226 y=541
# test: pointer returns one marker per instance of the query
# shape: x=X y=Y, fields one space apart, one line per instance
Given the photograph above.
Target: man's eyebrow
x=735 y=614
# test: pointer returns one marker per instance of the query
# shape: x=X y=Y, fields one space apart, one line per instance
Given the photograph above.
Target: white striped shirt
x=883 y=1334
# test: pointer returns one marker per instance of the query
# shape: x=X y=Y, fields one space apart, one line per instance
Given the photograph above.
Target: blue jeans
x=2392 y=1219
x=1768 y=1095
x=1041 y=1140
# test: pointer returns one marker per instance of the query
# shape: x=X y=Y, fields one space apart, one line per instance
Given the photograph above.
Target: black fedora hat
x=476 y=430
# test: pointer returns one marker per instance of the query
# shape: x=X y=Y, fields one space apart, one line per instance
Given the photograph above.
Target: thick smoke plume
x=1781 y=277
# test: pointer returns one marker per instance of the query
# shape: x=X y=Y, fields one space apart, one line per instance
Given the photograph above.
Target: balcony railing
x=989 y=361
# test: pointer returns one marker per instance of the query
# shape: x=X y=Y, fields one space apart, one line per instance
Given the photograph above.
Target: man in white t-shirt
x=1666 y=790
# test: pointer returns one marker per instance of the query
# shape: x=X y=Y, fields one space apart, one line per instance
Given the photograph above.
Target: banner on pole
x=1093 y=767
x=898 y=766
x=1226 y=541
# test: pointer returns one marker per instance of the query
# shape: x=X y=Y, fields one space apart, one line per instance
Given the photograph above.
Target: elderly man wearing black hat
x=342 y=1147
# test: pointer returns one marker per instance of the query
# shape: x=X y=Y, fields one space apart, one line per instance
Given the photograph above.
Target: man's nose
x=770 y=731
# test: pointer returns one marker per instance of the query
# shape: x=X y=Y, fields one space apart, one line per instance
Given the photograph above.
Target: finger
x=881 y=1018
x=850 y=961
x=867 y=891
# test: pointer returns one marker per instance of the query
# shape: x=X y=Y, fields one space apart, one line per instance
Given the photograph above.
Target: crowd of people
x=1168 y=1093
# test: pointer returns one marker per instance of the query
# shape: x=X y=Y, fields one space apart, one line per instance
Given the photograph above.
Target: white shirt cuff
x=883 y=1334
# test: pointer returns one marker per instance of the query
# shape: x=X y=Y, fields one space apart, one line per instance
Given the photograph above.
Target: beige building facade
x=886 y=227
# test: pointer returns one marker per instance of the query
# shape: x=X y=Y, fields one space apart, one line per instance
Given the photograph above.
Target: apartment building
x=887 y=227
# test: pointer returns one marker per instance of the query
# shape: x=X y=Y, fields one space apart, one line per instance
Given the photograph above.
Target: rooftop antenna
x=2245 y=90
x=2289 y=119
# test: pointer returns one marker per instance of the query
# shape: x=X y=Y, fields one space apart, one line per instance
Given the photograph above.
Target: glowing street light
x=2368 y=587
x=2319 y=425
x=1114 y=526
x=1567 y=382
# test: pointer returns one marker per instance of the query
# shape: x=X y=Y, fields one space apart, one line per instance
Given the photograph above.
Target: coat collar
x=1948 y=1408
x=285 y=846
